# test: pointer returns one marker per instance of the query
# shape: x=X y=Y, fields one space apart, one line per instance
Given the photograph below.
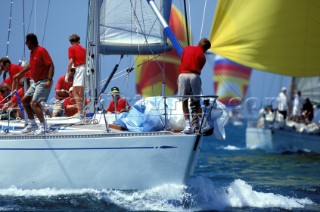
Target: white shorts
x=296 y=111
x=78 y=79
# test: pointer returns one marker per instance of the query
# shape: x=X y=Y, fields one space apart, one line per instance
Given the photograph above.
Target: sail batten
x=277 y=36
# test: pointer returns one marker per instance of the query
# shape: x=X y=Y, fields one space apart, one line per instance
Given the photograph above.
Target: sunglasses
x=2 y=91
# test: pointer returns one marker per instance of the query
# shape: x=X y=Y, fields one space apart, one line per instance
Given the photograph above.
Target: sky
x=66 y=17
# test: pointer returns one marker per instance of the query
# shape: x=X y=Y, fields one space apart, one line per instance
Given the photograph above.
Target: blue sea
x=228 y=177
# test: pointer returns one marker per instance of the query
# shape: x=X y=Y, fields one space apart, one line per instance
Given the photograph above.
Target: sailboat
x=284 y=39
x=90 y=153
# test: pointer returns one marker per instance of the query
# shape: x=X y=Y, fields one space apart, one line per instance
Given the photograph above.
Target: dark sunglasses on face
x=2 y=91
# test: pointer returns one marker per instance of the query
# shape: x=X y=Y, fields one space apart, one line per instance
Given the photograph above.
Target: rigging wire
x=24 y=30
x=144 y=34
x=8 y=36
x=9 y=28
x=45 y=25
x=186 y=21
x=31 y=12
x=203 y=15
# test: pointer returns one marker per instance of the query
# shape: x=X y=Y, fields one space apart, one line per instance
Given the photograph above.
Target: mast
x=93 y=41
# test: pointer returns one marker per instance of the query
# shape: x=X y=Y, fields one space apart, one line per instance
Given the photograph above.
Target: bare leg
x=78 y=96
x=38 y=110
x=26 y=100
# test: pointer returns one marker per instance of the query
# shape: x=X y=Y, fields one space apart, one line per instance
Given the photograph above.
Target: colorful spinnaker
x=277 y=36
x=150 y=75
x=230 y=81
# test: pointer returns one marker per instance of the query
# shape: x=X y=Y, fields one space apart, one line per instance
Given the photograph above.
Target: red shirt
x=78 y=53
x=62 y=84
x=15 y=69
x=7 y=81
x=192 y=59
x=3 y=102
x=40 y=62
x=121 y=105
x=14 y=98
x=69 y=112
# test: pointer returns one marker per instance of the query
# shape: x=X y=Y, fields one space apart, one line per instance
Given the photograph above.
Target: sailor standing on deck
x=77 y=57
x=193 y=60
x=42 y=70
x=283 y=103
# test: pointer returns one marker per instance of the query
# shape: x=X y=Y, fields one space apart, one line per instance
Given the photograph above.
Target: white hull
x=281 y=140
x=100 y=160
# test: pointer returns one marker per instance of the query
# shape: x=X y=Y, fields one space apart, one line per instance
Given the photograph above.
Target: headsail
x=277 y=36
x=230 y=81
x=150 y=75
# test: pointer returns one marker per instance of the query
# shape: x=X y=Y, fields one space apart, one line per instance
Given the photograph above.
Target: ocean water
x=228 y=177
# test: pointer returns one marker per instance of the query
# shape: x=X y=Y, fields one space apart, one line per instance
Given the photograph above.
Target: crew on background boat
x=77 y=57
x=117 y=104
x=266 y=117
x=12 y=69
x=63 y=85
x=193 y=60
x=297 y=106
x=307 y=111
x=42 y=71
x=283 y=103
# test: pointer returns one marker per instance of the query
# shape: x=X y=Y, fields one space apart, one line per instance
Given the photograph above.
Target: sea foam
x=200 y=193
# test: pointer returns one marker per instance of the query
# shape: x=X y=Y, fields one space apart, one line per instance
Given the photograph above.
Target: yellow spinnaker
x=278 y=36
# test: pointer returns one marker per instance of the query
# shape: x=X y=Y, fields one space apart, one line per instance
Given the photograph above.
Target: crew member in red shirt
x=4 y=93
x=12 y=69
x=13 y=103
x=42 y=70
x=193 y=60
x=63 y=85
x=77 y=57
x=69 y=104
x=117 y=105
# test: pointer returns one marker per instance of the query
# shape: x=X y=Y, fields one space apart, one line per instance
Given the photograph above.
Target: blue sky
x=66 y=17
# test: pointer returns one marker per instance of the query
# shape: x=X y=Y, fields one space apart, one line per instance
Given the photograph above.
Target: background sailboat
x=284 y=40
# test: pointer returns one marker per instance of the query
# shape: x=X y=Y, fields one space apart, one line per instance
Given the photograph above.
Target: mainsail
x=277 y=36
x=131 y=27
x=125 y=27
x=230 y=81
x=150 y=73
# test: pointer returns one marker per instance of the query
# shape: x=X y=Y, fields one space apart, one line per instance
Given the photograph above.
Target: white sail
x=131 y=27
x=309 y=87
